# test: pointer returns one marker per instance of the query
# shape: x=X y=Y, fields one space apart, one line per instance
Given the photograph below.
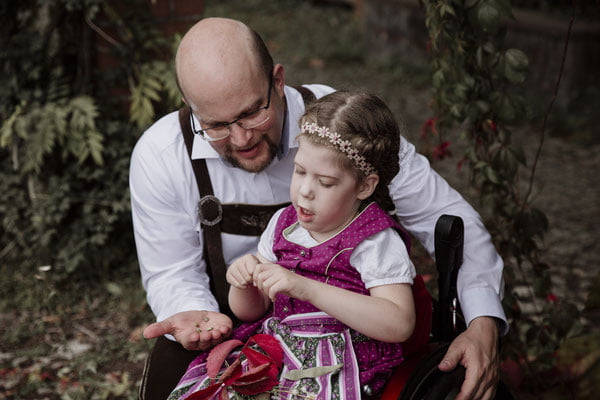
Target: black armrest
x=449 y=240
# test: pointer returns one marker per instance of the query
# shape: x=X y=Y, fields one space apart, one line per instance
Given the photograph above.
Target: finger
x=243 y=273
x=470 y=385
x=451 y=359
x=489 y=394
x=193 y=342
x=239 y=283
x=158 y=329
x=486 y=388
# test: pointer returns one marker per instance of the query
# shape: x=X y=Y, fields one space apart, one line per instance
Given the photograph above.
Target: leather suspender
x=215 y=218
x=210 y=211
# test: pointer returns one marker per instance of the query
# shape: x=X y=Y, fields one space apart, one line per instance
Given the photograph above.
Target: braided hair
x=368 y=124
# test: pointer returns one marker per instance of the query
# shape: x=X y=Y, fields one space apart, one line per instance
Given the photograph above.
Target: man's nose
x=239 y=136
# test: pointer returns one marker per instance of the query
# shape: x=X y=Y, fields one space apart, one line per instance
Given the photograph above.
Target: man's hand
x=477 y=350
x=194 y=330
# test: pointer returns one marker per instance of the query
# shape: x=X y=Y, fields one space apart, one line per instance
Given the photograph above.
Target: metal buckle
x=206 y=201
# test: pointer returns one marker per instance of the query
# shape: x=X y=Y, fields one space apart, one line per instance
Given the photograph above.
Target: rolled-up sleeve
x=421 y=196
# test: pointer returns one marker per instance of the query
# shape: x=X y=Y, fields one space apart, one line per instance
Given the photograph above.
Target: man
x=245 y=121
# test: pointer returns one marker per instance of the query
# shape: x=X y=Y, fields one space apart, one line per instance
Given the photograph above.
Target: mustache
x=273 y=148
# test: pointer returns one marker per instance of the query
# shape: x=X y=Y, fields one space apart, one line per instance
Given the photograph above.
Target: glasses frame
x=202 y=132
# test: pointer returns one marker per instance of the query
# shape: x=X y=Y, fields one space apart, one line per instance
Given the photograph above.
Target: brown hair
x=369 y=125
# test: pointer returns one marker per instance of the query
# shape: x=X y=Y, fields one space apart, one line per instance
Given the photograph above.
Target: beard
x=252 y=165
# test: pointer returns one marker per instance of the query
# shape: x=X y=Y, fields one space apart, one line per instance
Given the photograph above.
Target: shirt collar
x=294 y=110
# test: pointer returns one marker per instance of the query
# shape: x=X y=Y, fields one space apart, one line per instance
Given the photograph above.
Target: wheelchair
x=419 y=378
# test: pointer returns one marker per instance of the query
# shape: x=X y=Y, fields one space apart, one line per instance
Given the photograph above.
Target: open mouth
x=249 y=152
x=305 y=215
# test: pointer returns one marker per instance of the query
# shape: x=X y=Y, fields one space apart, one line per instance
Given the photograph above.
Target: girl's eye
x=299 y=171
x=326 y=184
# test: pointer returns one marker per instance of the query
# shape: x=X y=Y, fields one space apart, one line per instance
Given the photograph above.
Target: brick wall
x=172 y=16
x=176 y=16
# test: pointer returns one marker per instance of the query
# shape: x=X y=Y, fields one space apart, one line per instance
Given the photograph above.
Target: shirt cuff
x=483 y=302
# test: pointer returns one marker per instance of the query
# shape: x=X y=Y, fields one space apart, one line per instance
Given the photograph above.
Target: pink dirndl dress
x=328 y=359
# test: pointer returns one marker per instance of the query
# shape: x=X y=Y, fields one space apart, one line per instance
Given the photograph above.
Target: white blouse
x=381 y=259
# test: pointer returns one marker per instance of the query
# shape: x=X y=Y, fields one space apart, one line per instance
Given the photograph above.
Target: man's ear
x=279 y=78
x=367 y=186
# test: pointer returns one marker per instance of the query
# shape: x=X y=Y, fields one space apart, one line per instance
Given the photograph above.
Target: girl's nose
x=306 y=189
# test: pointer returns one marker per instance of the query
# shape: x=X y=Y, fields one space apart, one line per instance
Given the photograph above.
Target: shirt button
x=302 y=253
x=285 y=309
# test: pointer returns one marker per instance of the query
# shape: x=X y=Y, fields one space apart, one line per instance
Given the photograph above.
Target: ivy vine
x=477 y=90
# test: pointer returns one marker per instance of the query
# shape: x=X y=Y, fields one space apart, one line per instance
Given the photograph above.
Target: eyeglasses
x=249 y=120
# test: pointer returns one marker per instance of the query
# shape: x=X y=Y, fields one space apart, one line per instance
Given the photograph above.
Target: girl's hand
x=272 y=279
x=240 y=272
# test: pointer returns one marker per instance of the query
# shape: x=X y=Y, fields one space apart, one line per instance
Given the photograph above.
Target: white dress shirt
x=164 y=202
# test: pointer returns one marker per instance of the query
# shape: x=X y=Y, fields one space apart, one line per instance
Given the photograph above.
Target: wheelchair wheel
x=429 y=383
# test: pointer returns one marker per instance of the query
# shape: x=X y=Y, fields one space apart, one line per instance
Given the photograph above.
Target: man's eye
x=219 y=125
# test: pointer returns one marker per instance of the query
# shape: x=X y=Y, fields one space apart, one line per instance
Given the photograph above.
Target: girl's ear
x=367 y=186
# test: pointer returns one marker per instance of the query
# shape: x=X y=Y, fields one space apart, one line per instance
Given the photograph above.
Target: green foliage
x=65 y=140
x=476 y=86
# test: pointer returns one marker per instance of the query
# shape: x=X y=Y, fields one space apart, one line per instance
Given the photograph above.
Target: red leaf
x=442 y=150
x=428 y=126
x=271 y=346
x=256 y=380
x=205 y=393
x=217 y=356
x=255 y=358
x=233 y=372
x=224 y=395
x=256 y=374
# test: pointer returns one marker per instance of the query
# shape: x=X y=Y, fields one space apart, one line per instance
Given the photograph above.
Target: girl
x=332 y=277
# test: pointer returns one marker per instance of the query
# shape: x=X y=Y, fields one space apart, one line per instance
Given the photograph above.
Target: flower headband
x=342 y=145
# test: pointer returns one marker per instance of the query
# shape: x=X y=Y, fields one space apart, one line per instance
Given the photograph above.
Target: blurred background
x=82 y=79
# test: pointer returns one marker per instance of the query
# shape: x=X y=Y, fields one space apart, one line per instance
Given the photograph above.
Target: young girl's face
x=326 y=197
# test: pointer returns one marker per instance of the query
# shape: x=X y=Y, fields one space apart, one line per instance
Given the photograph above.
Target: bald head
x=219 y=54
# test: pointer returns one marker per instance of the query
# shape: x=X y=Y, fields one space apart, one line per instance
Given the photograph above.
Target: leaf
x=297 y=374
x=218 y=354
x=206 y=393
x=257 y=380
x=6 y=131
x=516 y=59
x=255 y=358
x=114 y=288
x=487 y=16
x=270 y=345
x=491 y=174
